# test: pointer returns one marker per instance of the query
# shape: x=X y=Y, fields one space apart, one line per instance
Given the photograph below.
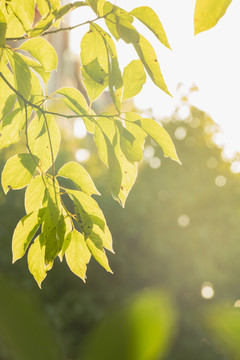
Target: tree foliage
x=62 y=218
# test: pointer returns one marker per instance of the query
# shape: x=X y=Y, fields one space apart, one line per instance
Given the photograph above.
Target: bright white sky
x=211 y=60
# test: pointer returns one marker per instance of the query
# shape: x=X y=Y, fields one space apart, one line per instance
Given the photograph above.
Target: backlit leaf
x=22 y=75
x=24 y=12
x=36 y=261
x=79 y=176
x=36 y=67
x=94 y=89
x=77 y=254
x=44 y=6
x=3 y=29
x=94 y=55
x=77 y=103
x=42 y=51
x=18 y=172
x=133 y=79
x=24 y=232
x=149 y=18
x=208 y=13
x=97 y=6
x=10 y=128
x=35 y=195
x=148 y=57
x=39 y=139
x=95 y=245
x=84 y=222
x=129 y=144
x=60 y=12
x=14 y=26
x=7 y=96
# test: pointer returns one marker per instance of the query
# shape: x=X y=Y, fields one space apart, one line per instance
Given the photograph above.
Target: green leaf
x=44 y=24
x=3 y=29
x=14 y=26
x=7 y=96
x=10 y=128
x=125 y=29
x=64 y=230
x=18 y=171
x=133 y=79
x=35 y=195
x=148 y=57
x=208 y=13
x=22 y=75
x=24 y=12
x=77 y=254
x=157 y=132
x=110 y=19
x=36 y=90
x=133 y=128
x=42 y=51
x=94 y=56
x=97 y=6
x=45 y=75
x=36 y=261
x=44 y=6
x=38 y=139
x=95 y=245
x=59 y=13
x=149 y=18
x=77 y=103
x=84 y=221
x=115 y=76
x=79 y=176
x=104 y=235
x=24 y=232
x=130 y=145
x=94 y=89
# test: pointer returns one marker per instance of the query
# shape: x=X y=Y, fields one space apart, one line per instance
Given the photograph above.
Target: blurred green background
x=179 y=232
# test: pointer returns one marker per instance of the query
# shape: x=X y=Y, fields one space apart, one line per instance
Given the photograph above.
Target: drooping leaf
x=36 y=67
x=38 y=138
x=3 y=29
x=44 y=6
x=84 y=222
x=149 y=18
x=77 y=103
x=24 y=12
x=95 y=245
x=18 y=171
x=22 y=75
x=110 y=20
x=35 y=195
x=208 y=13
x=77 y=254
x=10 y=128
x=97 y=6
x=94 y=89
x=115 y=77
x=124 y=26
x=148 y=57
x=24 y=232
x=43 y=25
x=133 y=79
x=158 y=133
x=129 y=144
x=36 y=261
x=79 y=176
x=94 y=55
x=60 y=12
x=42 y=51
x=64 y=230
x=36 y=90
x=104 y=235
x=7 y=96
x=14 y=26
x=131 y=121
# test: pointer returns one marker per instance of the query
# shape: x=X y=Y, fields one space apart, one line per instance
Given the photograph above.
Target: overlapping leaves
x=62 y=218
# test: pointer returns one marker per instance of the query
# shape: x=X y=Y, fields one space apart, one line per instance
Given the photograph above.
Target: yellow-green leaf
x=149 y=59
x=94 y=55
x=84 y=222
x=14 y=26
x=149 y=18
x=3 y=29
x=95 y=245
x=44 y=24
x=94 y=89
x=35 y=195
x=18 y=172
x=79 y=176
x=38 y=139
x=64 y=234
x=10 y=128
x=60 y=12
x=77 y=254
x=208 y=13
x=22 y=75
x=36 y=67
x=97 y=6
x=77 y=103
x=36 y=261
x=7 y=96
x=44 y=6
x=24 y=12
x=24 y=232
x=133 y=79
x=129 y=144
x=42 y=51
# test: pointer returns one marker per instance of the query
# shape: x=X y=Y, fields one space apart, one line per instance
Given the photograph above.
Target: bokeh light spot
x=183 y=220
x=180 y=133
x=155 y=162
x=220 y=180
x=207 y=291
x=82 y=155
